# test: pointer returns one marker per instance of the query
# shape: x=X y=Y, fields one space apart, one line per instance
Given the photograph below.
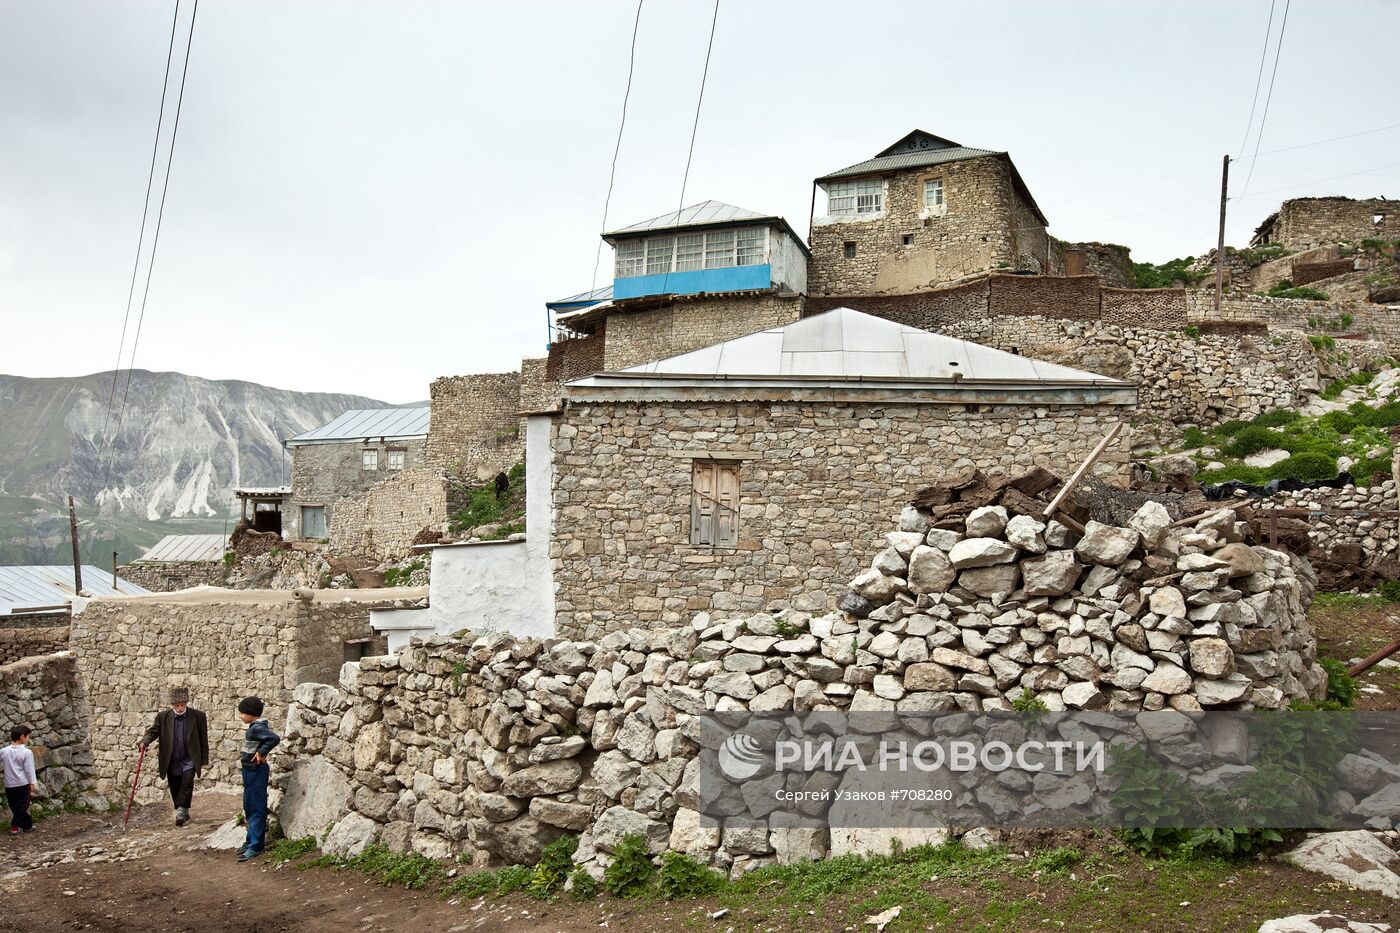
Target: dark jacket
x=196 y=737
x=258 y=740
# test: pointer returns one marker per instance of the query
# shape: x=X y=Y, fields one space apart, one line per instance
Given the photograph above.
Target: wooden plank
x=1365 y=664
x=1083 y=470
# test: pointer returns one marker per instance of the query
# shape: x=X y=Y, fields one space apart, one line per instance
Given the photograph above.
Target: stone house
x=178 y=562
x=925 y=210
x=346 y=456
x=754 y=469
x=1307 y=223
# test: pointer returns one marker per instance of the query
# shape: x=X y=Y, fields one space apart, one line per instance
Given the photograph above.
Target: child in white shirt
x=20 y=783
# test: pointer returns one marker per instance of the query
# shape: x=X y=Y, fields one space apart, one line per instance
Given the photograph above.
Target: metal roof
x=360 y=423
x=186 y=547
x=894 y=163
x=844 y=344
x=582 y=299
x=31 y=586
x=706 y=212
x=262 y=492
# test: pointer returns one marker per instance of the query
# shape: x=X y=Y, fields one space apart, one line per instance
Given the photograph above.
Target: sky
x=365 y=196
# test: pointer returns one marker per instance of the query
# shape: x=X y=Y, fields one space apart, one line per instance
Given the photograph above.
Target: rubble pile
x=489 y=749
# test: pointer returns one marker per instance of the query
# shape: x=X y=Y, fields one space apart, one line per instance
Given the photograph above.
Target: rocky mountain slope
x=183 y=445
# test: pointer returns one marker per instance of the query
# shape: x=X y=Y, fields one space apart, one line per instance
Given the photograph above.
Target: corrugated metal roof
x=848 y=345
x=706 y=212
x=359 y=423
x=186 y=547
x=909 y=160
x=583 y=298
x=31 y=586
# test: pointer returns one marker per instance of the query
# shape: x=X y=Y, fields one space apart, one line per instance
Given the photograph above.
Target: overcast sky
x=368 y=195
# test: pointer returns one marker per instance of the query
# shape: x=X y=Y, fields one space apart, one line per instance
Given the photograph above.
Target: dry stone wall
x=384 y=521
x=23 y=636
x=1371 y=539
x=817 y=482
x=487 y=750
x=46 y=693
x=168 y=576
x=1305 y=223
x=637 y=337
x=222 y=646
x=475 y=431
x=1356 y=320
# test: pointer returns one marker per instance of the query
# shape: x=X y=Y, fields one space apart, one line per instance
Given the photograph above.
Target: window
x=753 y=243
x=690 y=252
x=396 y=459
x=630 y=258
x=862 y=196
x=849 y=248
x=907 y=239
x=714 y=503
x=933 y=193
x=1377 y=220
x=358 y=649
x=719 y=249
x=313 y=521
x=659 y=252
x=369 y=459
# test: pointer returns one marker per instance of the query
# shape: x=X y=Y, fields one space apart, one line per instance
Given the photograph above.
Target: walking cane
x=139 y=758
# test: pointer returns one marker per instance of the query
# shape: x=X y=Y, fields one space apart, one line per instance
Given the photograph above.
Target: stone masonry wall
x=1304 y=223
x=383 y=521
x=974 y=235
x=27 y=635
x=486 y=750
x=538 y=390
x=643 y=336
x=575 y=357
x=46 y=693
x=131 y=650
x=325 y=473
x=1305 y=273
x=1367 y=321
x=1112 y=263
x=475 y=431
x=168 y=576
x=817 y=483
x=1378 y=538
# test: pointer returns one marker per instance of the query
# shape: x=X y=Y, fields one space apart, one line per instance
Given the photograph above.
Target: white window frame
x=369 y=459
x=687 y=252
x=857 y=196
x=934 y=185
x=630 y=259
x=396 y=459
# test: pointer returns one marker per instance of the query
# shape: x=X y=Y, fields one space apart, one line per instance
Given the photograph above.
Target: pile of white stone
x=1144 y=617
x=488 y=750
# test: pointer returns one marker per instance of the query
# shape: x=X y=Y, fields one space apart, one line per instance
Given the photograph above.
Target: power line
x=1268 y=98
x=612 y=173
x=1259 y=79
x=141 y=238
x=155 y=239
x=704 y=75
x=1379 y=129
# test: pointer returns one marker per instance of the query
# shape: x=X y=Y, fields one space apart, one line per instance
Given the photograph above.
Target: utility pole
x=1220 y=241
x=77 y=561
x=114 y=570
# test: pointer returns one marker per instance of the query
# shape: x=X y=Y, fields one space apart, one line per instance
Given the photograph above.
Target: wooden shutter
x=714 y=503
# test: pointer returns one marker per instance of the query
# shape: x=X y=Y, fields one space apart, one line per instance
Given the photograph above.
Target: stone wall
x=538 y=391
x=1305 y=273
x=225 y=646
x=1339 y=318
x=486 y=750
x=575 y=357
x=973 y=235
x=46 y=693
x=1075 y=298
x=168 y=576
x=475 y=432
x=382 y=522
x=324 y=473
x=818 y=482
x=1181 y=380
x=1112 y=263
x=1374 y=539
x=637 y=337
x=1304 y=223
x=29 y=634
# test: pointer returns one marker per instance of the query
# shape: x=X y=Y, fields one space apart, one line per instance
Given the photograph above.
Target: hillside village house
x=762 y=467
x=345 y=456
x=1308 y=223
x=923 y=211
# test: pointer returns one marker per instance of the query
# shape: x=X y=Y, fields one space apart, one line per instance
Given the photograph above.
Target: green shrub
x=552 y=870
x=390 y=868
x=1027 y=702
x=1389 y=591
x=631 y=872
x=1340 y=422
x=1167 y=274
x=683 y=877
x=1277 y=418
x=1370 y=471
x=582 y=887
x=1230 y=428
x=1236 y=472
x=1286 y=289
x=1251 y=439
x=1305 y=466
x=1193 y=332
x=1322 y=342
x=1193 y=437
x=1341 y=686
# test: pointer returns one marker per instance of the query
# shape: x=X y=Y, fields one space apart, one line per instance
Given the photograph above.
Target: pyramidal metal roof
x=360 y=423
x=186 y=547
x=29 y=587
x=850 y=345
x=702 y=214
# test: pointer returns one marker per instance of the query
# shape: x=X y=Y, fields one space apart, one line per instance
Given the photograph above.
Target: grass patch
x=290 y=850
x=400 y=576
x=484 y=507
x=1284 y=288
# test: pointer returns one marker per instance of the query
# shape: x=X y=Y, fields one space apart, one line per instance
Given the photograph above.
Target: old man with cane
x=183 y=733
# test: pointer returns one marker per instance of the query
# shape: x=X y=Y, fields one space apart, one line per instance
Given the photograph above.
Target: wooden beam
x=1080 y=473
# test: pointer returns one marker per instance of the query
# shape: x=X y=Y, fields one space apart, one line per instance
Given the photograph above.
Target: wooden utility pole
x=77 y=561
x=114 y=570
x=1220 y=240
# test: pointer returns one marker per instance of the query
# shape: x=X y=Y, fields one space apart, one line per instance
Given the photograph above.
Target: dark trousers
x=18 y=799
x=255 y=806
x=181 y=787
